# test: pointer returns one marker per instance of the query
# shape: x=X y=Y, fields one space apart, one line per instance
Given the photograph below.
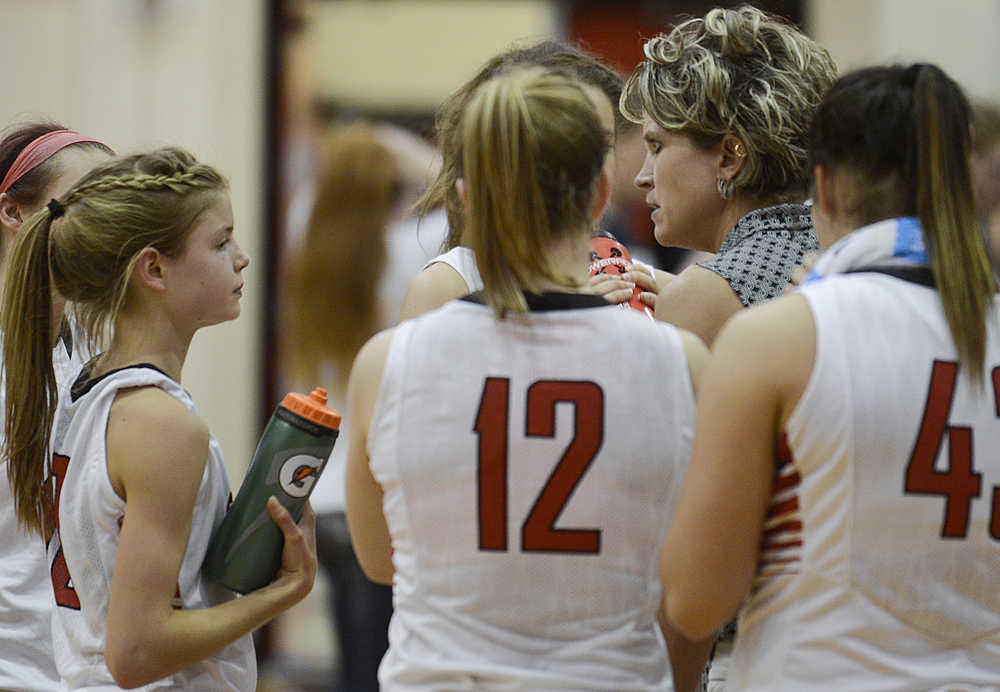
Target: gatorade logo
x=298 y=474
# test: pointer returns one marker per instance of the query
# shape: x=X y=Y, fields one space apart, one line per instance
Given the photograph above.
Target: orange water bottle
x=609 y=256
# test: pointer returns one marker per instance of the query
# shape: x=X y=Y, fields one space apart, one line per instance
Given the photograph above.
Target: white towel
x=893 y=242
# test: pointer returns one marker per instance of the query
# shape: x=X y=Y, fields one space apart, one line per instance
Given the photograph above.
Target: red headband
x=39 y=151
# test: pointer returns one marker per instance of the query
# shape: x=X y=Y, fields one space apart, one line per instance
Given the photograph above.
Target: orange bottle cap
x=313 y=408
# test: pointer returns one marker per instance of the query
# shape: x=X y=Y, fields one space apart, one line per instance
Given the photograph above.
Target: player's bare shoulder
x=147 y=423
x=432 y=288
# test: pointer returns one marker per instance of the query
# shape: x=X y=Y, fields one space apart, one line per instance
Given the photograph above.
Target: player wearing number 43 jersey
x=515 y=454
x=868 y=554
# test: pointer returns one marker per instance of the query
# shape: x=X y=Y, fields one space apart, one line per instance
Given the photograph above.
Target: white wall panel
x=143 y=73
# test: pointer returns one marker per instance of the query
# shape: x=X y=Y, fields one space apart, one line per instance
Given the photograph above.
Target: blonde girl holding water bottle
x=143 y=246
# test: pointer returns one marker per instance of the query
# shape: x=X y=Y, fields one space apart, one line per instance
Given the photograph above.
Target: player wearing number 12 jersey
x=863 y=529
x=515 y=454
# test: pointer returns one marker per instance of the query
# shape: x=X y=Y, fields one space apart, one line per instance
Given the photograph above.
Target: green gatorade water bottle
x=245 y=552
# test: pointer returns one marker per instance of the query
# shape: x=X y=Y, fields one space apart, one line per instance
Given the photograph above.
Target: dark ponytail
x=904 y=134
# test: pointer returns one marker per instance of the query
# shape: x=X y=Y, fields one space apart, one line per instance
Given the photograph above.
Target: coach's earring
x=725 y=188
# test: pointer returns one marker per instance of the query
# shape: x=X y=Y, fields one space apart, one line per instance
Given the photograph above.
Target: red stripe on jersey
x=787 y=479
x=781 y=540
x=784 y=506
x=783 y=452
x=782 y=545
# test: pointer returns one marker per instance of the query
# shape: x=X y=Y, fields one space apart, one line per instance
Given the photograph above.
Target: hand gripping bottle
x=608 y=256
x=245 y=552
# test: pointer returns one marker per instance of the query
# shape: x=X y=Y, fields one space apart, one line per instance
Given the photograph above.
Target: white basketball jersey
x=82 y=552
x=26 y=659
x=880 y=567
x=462 y=260
x=529 y=469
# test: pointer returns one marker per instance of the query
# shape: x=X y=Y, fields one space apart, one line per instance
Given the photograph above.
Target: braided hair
x=88 y=241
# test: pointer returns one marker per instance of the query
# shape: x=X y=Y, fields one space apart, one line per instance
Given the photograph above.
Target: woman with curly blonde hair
x=725 y=102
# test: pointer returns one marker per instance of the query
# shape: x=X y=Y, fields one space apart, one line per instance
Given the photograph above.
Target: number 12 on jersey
x=493 y=426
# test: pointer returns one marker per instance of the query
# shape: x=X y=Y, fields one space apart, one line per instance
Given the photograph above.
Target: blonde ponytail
x=532 y=151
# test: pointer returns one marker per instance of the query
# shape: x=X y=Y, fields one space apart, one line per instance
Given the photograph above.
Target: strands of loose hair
x=548 y=54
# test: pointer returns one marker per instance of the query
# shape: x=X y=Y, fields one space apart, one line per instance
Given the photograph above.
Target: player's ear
x=149 y=270
x=10 y=212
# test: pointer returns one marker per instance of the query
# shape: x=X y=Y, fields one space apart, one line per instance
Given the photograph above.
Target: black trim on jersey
x=84 y=384
x=550 y=300
x=914 y=274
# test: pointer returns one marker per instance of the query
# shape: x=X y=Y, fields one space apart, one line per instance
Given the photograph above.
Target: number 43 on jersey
x=960 y=484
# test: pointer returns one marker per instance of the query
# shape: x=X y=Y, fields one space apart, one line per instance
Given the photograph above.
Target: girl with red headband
x=38 y=161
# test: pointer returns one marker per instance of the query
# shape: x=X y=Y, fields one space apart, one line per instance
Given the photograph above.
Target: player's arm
x=698 y=300
x=157 y=450
x=432 y=288
x=687 y=658
x=757 y=371
x=697 y=356
x=369 y=532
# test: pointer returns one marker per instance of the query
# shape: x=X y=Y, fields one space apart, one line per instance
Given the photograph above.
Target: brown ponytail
x=946 y=207
x=903 y=134
x=26 y=324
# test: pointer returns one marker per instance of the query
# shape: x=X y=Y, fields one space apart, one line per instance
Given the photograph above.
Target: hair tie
x=55 y=208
